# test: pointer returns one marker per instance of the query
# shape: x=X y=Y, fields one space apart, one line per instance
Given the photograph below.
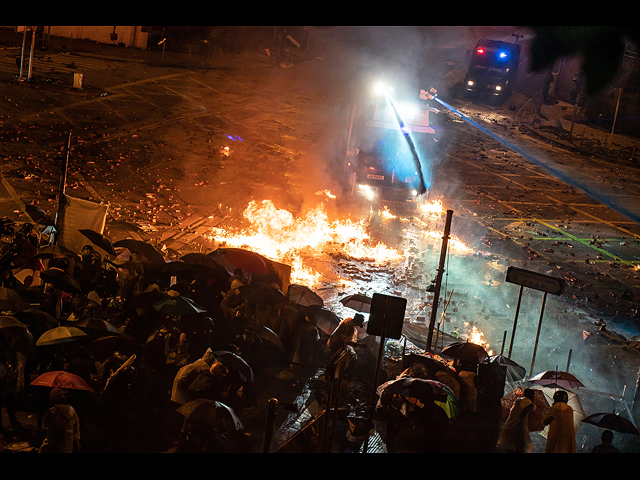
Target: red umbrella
x=61 y=379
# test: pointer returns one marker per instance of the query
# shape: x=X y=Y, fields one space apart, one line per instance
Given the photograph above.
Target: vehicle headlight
x=470 y=83
x=498 y=88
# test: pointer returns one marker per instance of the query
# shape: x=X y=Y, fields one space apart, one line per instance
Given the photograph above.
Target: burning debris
x=301 y=242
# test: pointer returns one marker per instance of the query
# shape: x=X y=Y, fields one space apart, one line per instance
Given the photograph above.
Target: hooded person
x=562 y=434
x=514 y=436
x=180 y=393
x=61 y=424
x=345 y=335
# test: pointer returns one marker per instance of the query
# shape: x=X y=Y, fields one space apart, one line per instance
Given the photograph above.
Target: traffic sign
x=537 y=281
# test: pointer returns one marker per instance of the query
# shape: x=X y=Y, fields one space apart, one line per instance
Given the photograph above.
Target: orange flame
x=278 y=235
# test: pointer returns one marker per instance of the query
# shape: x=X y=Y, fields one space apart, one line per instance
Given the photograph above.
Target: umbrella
x=303 y=296
x=358 y=302
x=61 y=280
x=556 y=378
x=9 y=321
x=145 y=249
x=236 y=363
x=467 y=352
x=421 y=388
x=239 y=258
x=103 y=347
x=432 y=363
x=204 y=261
x=270 y=336
x=325 y=320
x=176 y=268
x=515 y=371
x=98 y=325
x=51 y=251
x=39 y=216
x=17 y=333
x=540 y=400
x=62 y=334
x=209 y=412
x=611 y=421
x=176 y=305
x=573 y=401
x=61 y=379
x=261 y=294
x=99 y=240
x=145 y=299
x=12 y=301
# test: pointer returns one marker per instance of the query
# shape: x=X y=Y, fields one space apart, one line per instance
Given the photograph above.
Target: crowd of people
x=168 y=353
x=156 y=337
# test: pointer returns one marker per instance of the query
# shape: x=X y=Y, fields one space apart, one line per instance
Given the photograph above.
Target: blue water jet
x=551 y=169
x=406 y=133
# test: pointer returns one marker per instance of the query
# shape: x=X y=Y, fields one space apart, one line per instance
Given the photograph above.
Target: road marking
x=18 y=201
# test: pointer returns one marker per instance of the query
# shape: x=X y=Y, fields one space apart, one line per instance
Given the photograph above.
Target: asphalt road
x=175 y=151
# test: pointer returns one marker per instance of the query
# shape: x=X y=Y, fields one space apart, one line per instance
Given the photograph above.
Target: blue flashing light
x=503 y=55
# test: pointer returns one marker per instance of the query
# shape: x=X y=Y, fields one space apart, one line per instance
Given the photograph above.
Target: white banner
x=78 y=214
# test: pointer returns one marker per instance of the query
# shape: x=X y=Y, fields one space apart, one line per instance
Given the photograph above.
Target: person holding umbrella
x=345 y=335
x=514 y=437
x=562 y=434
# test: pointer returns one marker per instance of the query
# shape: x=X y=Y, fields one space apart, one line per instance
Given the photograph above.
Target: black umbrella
x=270 y=336
x=146 y=250
x=145 y=299
x=99 y=240
x=424 y=389
x=176 y=305
x=39 y=216
x=61 y=280
x=175 y=268
x=210 y=412
x=203 y=260
x=322 y=318
x=303 y=296
x=261 y=294
x=467 y=352
x=431 y=363
x=237 y=364
x=51 y=251
x=515 y=371
x=611 y=421
x=97 y=327
x=358 y=302
x=12 y=301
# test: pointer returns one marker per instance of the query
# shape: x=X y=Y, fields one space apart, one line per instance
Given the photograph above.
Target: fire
x=476 y=337
x=432 y=209
x=278 y=235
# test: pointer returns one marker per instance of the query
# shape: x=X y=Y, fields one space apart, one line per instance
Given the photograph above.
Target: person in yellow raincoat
x=514 y=436
x=562 y=435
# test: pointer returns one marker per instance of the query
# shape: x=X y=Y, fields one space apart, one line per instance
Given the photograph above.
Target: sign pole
x=535 y=346
x=515 y=322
